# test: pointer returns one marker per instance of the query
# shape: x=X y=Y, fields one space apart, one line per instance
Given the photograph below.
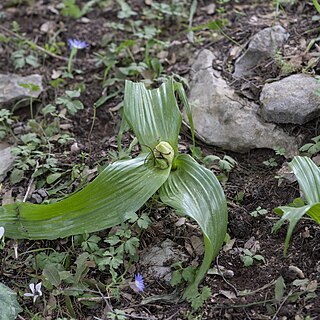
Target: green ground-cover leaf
x=9 y=306
x=153 y=115
x=308 y=176
x=123 y=187
x=194 y=191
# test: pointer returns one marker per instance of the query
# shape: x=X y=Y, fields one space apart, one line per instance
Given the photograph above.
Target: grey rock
x=285 y=173
x=6 y=160
x=159 y=258
x=223 y=119
x=11 y=90
x=291 y=100
x=263 y=45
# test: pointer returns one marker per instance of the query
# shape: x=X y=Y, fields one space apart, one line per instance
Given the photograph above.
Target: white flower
x=36 y=291
x=1 y=232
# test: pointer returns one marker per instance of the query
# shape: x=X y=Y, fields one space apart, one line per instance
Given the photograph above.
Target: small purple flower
x=138 y=282
x=74 y=43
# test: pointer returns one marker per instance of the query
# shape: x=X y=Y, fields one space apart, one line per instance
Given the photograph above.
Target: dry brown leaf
x=197 y=245
x=228 y=246
x=228 y=294
x=7 y=197
x=180 y=222
x=209 y=9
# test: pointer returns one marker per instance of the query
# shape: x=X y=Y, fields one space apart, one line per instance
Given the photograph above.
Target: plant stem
x=31 y=107
x=316 y=5
x=93 y=121
x=72 y=54
x=31 y=44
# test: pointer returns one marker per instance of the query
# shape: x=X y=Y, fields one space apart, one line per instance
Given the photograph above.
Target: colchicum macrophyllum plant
x=308 y=176
x=125 y=185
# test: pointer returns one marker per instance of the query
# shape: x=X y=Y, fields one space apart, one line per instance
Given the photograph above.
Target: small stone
x=209 y=9
x=297 y=271
x=48 y=27
x=285 y=173
x=74 y=148
x=38 y=196
x=84 y=20
x=293 y=99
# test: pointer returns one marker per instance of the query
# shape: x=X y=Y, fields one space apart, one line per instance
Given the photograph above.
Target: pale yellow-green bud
x=163 y=154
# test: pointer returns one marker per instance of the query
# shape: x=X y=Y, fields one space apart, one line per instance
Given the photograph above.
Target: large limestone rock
x=293 y=99
x=263 y=45
x=223 y=119
x=11 y=89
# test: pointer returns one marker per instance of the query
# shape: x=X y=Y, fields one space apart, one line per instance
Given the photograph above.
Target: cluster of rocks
x=225 y=119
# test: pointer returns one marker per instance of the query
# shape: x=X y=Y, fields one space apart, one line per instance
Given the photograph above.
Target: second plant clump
x=125 y=185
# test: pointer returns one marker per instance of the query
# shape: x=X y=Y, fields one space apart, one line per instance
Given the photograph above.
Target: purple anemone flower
x=138 y=282
x=74 y=43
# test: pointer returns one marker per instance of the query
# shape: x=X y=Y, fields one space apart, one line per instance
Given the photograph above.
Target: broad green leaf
x=308 y=176
x=9 y=305
x=259 y=257
x=247 y=261
x=183 y=97
x=279 y=289
x=123 y=187
x=195 y=191
x=51 y=273
x=131 y=246
x=293 y=215
x=51 y=178
x=153 y=115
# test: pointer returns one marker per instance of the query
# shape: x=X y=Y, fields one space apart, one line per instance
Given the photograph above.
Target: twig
x=32 y=44
x=225 y=280
x=281 y=305
x=105 y=299
x=139 y=317
x=30 y=184
x=233 y=306
x=171 y=317
x=90 y=299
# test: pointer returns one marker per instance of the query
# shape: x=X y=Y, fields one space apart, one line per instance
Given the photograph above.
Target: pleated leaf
x=153 y=115
x=194 y=191
x=122 y=188
x=308 y=176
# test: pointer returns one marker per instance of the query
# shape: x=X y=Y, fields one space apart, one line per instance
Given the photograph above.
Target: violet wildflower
x=75 y=45
x=138 y=282
x=35 y=291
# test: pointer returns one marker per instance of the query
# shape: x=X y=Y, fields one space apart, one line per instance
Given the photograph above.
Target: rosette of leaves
x=125 y=185
x=308 y=177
